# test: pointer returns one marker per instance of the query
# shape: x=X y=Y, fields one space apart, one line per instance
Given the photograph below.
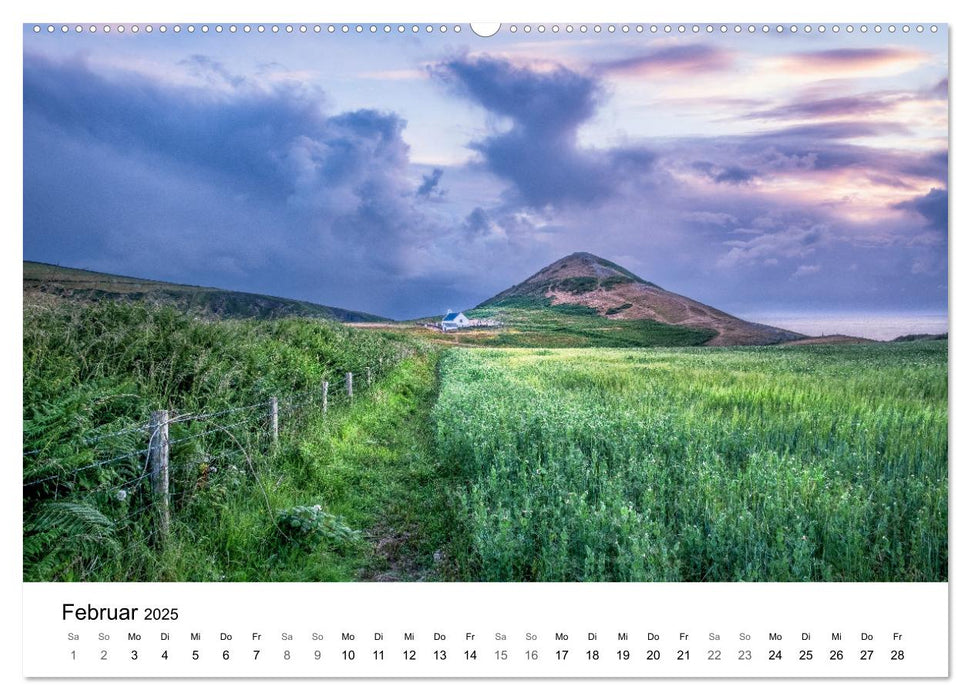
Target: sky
x=408 y=173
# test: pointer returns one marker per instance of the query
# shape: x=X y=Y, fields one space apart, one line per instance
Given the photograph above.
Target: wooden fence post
x=158 y=459
x=324 y=386
x=349 y=380
x=274 y=418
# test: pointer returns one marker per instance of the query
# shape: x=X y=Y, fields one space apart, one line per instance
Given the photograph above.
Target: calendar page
x=430 y=349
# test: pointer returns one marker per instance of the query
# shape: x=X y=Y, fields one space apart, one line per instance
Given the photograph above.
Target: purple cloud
x=274 y=143
x=850 y=106
x=539 y=153
x=932 y=207
x=838 y=130
x=200 y=171
x=261 y=185
x=677 y=59
x=731 y=174
x=429 y=184
x=835 y=61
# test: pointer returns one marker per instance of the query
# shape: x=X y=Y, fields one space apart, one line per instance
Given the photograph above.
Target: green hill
x=72 y=283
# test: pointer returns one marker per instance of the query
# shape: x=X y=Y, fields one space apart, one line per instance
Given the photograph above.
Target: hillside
x=67 y=282
x=582 y=282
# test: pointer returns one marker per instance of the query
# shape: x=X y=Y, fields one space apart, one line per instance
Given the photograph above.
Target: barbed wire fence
x=158 y=464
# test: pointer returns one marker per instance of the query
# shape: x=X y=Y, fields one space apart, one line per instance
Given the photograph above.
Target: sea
x=876 y=326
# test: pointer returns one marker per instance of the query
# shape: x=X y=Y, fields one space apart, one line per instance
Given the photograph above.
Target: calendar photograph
x=416 y=303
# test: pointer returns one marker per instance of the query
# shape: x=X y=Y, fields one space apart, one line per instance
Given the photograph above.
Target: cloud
x=810 y=160
x=819 y=103
x=429 y=184
x=559 y=97
x=805 y=271
x=933 y=207
x=711 y=217
x=236 y=185
x=731 y=174
x=213 y=72
x=773 y=244
x=843 y=61
x=187 y=171
x=838 y=130
x=735 y=175
x=848 y=106
x=539 y=153
x=790 y=196
x=672 y=60
x=274 y=143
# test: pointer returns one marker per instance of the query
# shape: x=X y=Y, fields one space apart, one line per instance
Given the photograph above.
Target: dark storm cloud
x=274 y=143
x=932 y=207
x=244 y=142
x=242 y=185
x=539 y=153
x=676 y=59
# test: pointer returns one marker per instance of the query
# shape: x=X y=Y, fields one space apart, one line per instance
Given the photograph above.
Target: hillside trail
x=411 y=526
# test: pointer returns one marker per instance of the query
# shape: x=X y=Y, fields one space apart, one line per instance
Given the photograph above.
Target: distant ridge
x=73 y=283
x=584 y=279
x=919 y=336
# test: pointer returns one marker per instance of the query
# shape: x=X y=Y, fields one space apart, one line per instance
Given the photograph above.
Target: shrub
x=310 y=526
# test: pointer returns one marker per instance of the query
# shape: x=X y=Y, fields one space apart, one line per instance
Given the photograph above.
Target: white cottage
x=454 y=321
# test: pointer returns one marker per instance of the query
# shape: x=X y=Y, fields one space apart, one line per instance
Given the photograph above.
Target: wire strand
x=93 y=465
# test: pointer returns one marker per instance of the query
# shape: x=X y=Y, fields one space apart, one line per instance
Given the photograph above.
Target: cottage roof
x=451 y=317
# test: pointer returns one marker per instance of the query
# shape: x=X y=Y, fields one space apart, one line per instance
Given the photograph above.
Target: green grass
x=696 y=464
x=815 y=463
x=94 y=372
x=617 y=309
x=537 y=325
x=369 y=465
x=576 y=285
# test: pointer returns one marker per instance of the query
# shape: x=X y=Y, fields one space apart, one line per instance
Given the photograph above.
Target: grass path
x=371 y=465
x=375 y=467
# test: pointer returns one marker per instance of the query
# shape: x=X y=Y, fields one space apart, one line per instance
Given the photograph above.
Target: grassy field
x=816 y=463
x=696 y=464
x=351 y=495
x=567 y=326
x=538 y=325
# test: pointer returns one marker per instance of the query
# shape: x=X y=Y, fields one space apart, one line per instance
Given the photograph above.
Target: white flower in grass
x=317 y=508
x=121 y=495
